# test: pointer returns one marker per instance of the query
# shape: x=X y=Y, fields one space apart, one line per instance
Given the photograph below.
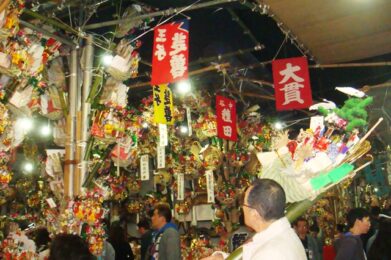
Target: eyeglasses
x=248 y=206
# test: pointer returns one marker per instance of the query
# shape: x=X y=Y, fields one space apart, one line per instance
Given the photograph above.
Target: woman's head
x=41 y=237
x=66 y=246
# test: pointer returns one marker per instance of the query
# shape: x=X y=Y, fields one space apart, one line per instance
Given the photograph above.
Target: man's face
x=302 y=228
x=157 y=220
x=141 y=230
x=363 y=225
x=248 y=218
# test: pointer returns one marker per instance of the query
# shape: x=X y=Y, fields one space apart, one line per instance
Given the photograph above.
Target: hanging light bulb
x=107 y=59
x=183 y=87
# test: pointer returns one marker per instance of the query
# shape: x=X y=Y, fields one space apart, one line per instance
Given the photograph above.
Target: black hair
x=381 y=247
x=267 y=197
x=356 y=214
x=164 y=210
x=296 y=222
x=375 y=211
x=41 y=237
x=341 y=228
x=143 y=223
x=117 y=234
x=66 y=246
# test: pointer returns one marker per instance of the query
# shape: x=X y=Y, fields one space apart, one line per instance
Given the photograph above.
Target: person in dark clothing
x=66 y=247
x=309 y=243
x=42 y=240
x=381 y=247
x=375 y=211
x=117 y=238
x=350 y=246
x=146 y=236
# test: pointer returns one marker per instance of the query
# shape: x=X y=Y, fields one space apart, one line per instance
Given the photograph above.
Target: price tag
x=210 y=186
x=161 y=157
x=181 y=186
x=163 y=140
x=144 y=167
x=188 y=115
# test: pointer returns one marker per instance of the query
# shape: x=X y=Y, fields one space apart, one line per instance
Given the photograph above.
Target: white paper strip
x=317 y=123
x=210 y=186
x=161 y=157
x=188 y=115
x=181 y=186
x=144 y=167
x=51 y=203
x=163 y=140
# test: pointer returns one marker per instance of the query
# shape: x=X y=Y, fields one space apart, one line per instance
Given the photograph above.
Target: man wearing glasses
x=263 y=207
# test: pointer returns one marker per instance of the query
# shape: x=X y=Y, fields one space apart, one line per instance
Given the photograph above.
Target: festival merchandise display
x=191 y=150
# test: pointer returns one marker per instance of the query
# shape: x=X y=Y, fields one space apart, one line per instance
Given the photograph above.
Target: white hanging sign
x=210 y=186
x=161 y=157
x=163 y=140
x=317 y=123
x=181 y=186
x=51 y=203
x=188 y=115
x=144 y=167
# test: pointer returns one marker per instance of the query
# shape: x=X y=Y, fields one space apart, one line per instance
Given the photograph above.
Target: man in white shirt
x=264 y=205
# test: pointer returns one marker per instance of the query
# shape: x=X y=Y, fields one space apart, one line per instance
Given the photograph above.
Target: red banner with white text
x=226 y=118
x=170 y=58
x=292 y=88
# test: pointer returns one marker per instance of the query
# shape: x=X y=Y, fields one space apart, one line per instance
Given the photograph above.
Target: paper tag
x=144 y=167
x=161 y=157
x=181 y=186
x=51 y=203
x=163 y=140
x=188 y=115
x=317 y=123
x=210 y=186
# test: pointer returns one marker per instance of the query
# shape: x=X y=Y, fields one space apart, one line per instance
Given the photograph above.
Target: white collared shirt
x=277 y=242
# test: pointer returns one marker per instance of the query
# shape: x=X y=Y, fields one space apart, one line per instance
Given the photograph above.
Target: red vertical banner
x=170 y=58
x=292 y=87
x=226 y=118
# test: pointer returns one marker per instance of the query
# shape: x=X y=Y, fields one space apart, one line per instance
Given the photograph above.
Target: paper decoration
x=292 y=87
x=210 y=186
x=317 y=123
x=163 y=135
x=51 y=203
x=163 y=107
x=181 y=186
x=170 y=53
x=144 y=167
x=188 y=116
x=161 y=157
x=226 y=118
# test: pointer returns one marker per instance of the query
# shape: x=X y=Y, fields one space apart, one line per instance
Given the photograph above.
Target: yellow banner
x=163 y=107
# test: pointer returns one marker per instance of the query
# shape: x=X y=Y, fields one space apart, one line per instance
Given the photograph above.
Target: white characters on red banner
x=178 y=60
x=160 y=52
x=291 y=89
x=227 y=131
x=178 y=65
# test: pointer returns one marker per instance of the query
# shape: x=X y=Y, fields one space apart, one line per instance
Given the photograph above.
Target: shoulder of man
x=171 y=231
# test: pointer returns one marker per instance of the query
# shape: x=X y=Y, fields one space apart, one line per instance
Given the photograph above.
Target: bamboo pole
x=350 y=65
x=226 y=55
x=86 y=108
x=192 y=73
x=70 y=148
x=4 y=5
x=167 y=12
x=43 y=31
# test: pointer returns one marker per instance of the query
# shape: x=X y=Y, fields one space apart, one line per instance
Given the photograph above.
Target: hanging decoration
x=170 y=53
x=226 y=118
x=292 y=87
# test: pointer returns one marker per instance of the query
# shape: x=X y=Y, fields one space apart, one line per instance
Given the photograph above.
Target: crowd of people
x=265 y=234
